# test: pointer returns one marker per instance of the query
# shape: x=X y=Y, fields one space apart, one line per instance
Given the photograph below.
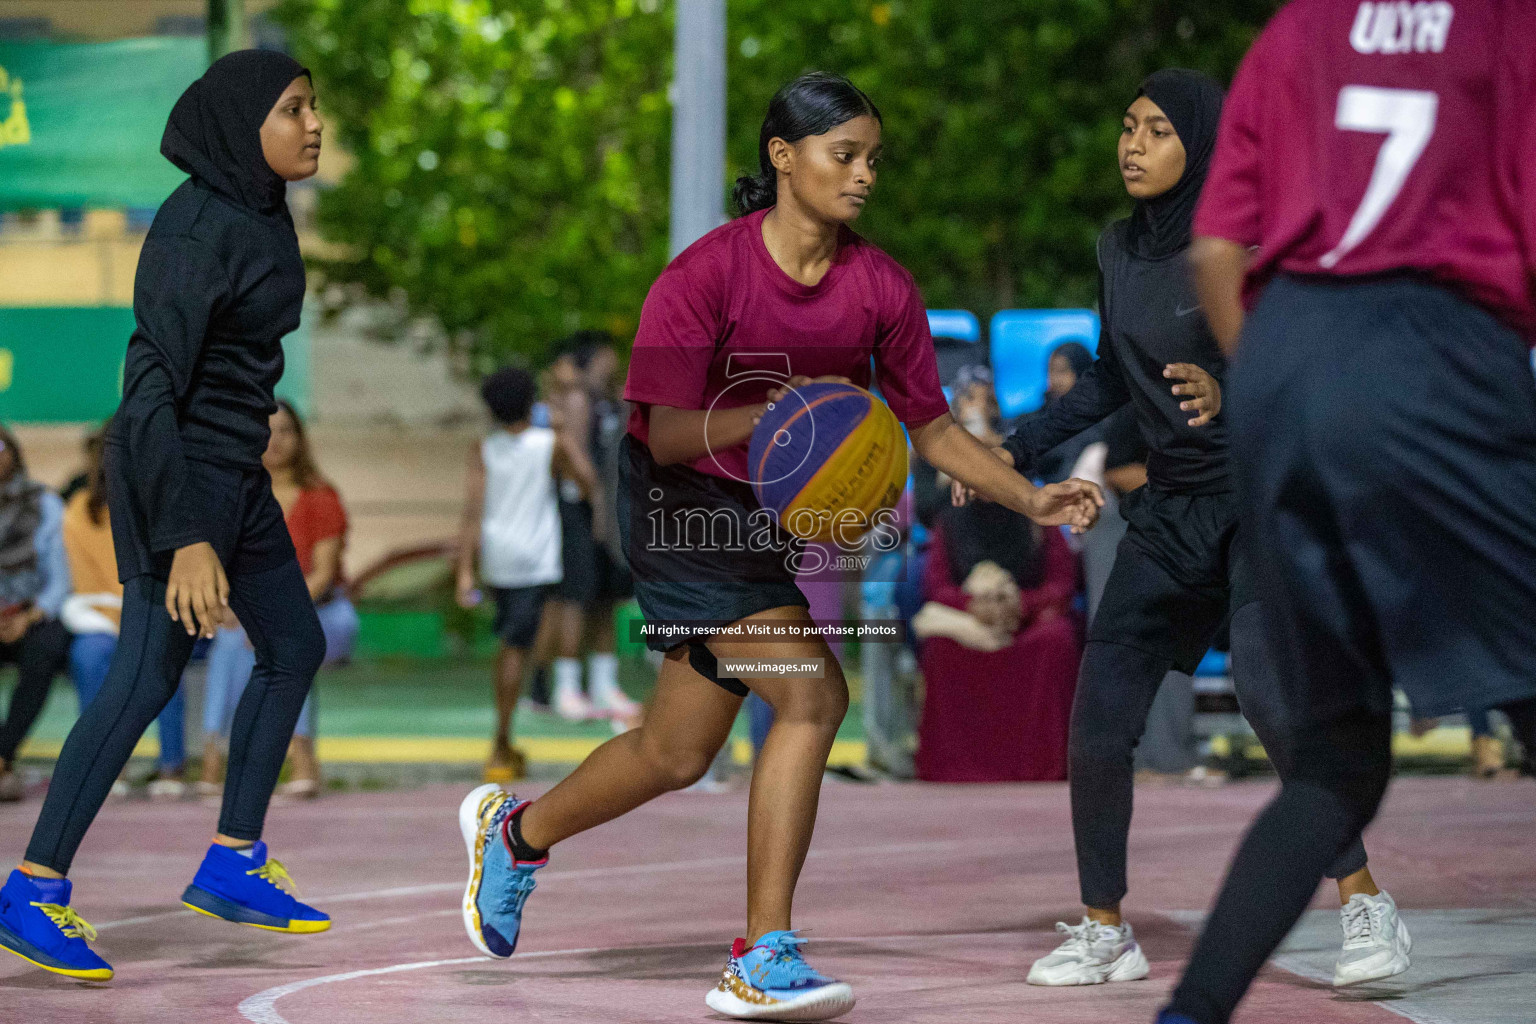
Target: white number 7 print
x=1408 y=118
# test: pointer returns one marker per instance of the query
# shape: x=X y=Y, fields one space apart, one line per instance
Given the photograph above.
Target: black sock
x=516 y=843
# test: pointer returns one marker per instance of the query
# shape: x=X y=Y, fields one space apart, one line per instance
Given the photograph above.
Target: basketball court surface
x=932 y=901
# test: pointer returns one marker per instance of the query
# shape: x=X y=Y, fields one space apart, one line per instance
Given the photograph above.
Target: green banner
x=80 y=123
x=64 y=364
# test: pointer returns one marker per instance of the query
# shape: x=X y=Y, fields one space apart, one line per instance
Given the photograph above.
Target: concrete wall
x=113 y=19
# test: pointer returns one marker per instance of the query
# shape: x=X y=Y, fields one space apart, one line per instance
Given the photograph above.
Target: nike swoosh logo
x=1186 y=312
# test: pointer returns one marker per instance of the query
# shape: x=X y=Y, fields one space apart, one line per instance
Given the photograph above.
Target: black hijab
x=214 y=132
x=1192 y=100
x=983 y=531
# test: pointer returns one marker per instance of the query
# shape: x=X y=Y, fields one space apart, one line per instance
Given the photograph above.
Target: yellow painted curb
x=1442 y=741
x=458 y=750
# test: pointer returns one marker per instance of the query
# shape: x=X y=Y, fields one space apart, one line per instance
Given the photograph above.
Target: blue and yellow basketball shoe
x=498 y=885
x=38 y=924
x=772 y=981
x=254 y=890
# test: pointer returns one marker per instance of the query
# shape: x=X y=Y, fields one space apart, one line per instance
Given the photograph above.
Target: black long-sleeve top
x=1150 y=318
x=218 y=286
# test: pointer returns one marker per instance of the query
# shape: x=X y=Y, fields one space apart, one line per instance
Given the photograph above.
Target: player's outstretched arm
x=951 y=449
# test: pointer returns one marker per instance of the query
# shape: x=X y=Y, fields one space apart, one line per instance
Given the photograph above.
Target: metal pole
x=226 y=27
x=698 y=162
x=698 y=122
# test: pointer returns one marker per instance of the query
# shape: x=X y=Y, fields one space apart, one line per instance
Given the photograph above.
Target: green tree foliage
x=1001 y=120
x=511 y=173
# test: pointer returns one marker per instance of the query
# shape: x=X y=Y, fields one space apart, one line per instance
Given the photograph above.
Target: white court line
x=1298 y=966
x=261 y=1008
x=142 y=919
x=437 y=887
x=385 y=922
x=1295 y=963
x=1012 y=844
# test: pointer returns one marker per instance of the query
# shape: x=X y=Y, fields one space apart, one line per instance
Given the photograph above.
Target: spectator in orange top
x=93 y=613
x=318 y=525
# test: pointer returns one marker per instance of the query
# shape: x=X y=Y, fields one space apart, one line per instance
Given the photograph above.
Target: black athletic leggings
x=1341 y=776
x=1115 y=689
x=274 y=607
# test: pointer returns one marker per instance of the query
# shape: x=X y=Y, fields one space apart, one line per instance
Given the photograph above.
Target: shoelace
x=1359 y=920
x=786 y=955
x=1080 y=937
x=517 y=892
x=274 y=872
x=70 y=923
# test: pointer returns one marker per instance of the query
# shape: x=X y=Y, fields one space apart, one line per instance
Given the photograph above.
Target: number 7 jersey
x=1381 y=137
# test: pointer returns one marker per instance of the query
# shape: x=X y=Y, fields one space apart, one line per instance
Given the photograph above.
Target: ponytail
x=755 y=192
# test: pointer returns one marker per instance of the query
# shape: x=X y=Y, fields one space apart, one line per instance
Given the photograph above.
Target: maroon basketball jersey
x=1364 y=138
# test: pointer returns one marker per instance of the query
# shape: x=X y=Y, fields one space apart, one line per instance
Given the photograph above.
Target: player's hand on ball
x=800 y=380
x=1203 y=390
x=1073 y=503
x=197 y=592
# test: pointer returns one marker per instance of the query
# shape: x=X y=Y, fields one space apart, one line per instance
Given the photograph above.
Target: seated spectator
x=1067 y=362
x=318 y=525
x=34 y=580
x=1000 y=649
x=93 y=613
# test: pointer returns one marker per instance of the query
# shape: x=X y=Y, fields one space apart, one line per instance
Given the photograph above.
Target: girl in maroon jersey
x=786 y=285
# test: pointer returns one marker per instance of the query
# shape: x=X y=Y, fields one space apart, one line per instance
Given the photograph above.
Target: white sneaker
x=1092 y=954
x=614 y=703
x=167 y=789
x=1376 y=942
x=573 y=706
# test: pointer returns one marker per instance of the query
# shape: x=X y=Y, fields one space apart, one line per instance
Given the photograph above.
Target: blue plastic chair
x=956 y=341
x=1215 y=663
x=1022 y=341
x=960 y=324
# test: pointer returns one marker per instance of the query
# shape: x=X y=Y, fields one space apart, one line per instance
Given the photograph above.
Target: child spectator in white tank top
x=512 y=524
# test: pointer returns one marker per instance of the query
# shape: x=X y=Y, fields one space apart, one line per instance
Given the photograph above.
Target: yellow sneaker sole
x=95 y=974
x=294 y=927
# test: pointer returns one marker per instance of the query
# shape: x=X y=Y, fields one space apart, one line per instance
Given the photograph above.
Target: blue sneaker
x=772 y=981
x=498 y=886
x=254 y=890
x=1169 y=1017
x=38 y=924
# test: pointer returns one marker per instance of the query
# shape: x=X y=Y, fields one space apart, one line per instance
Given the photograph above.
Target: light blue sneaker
x=498 y=886
x=772 y=981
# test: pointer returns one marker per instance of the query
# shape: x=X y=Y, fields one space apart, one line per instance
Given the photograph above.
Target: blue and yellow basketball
x=827 y=458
